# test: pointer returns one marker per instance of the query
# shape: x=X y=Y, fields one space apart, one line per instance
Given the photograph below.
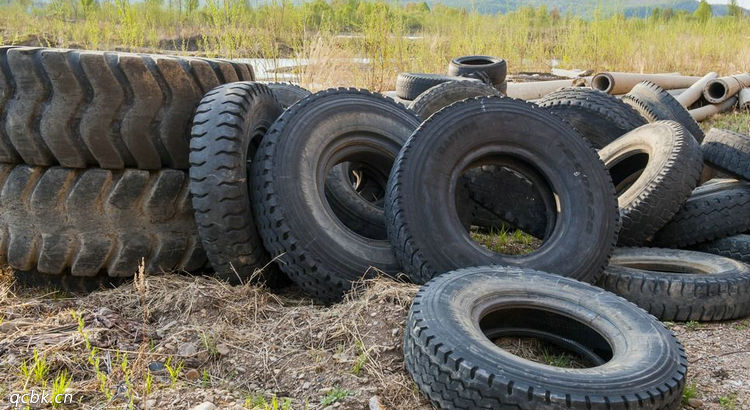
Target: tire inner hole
x=627 y=170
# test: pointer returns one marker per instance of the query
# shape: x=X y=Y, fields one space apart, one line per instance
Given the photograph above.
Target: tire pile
x=110 y=158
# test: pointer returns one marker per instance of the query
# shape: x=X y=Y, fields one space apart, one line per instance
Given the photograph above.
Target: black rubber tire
x=445 y=94
x=429 y=238
x=393 y=95
x=450 y=352
x=76 y=285
x=680 y=285
x=104 y=109
x=495 y=68
x=654 y=169
x=309 y=241
x=409 y=86
x=287 y=94
x=728 y=151
x=359 y=208
x=736 y=247
x=656 y=104
x=229 y=125
x=84 y=222
x=714 y=210
x=598 y=116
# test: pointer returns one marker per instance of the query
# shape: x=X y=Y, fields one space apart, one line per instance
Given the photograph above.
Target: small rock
x=150 y=404
x=187 y=349
x=222 y=349
x=394 y=332
x=695 y=403
x=193 y=375
x=156 y=367
x=374 y=403
x=205 y=406
x=306 y=386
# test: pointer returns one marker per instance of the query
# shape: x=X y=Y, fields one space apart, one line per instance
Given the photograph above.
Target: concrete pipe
x=677 y=92
x=721 y=89
x=538 y=89
x=622 y=83
x=745 y=99
x=694 y=93
x=708 y=111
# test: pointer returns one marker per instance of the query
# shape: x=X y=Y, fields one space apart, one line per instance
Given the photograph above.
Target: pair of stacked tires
x=94 y=151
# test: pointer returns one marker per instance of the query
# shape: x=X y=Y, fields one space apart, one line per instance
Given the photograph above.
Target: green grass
x=690 y=392
x=728 y=402
x=506 y=241
x=333 y=396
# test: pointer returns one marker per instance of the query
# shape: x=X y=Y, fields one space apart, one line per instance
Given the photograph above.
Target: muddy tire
x=598 y=116
x=714 y=210
x=423 y=224
x=700 y=286
x=656 y=104
x=496 y=69
x=287 y=94
x=445 y=94
x=454 y=321
x=229 y=125
x=736 y=247
x=654 y=169
x=728 y=151
x=85 y=222
x=310 y=242
x=409 y=86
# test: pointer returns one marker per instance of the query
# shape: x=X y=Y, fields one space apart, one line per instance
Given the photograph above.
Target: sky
x=743 y=3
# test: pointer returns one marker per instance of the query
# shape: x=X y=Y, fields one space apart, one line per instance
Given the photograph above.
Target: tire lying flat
x=656 y=104
x=287 y=93
x=728 y=151
x=496 y=69
x=654 y=169
x=445 y=94
x=455 y=319
x=421 y=211
x=229 y=124
x=309 y=241
x=409 y=86
x=680 y=285
x=104 y=109
x=736 y=247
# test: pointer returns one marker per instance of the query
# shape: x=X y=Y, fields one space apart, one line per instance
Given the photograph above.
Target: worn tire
x=495 y=68
x=360 y=208
x=454 y=320
x=309 y=241
x=78 y=285
x=656 y=104
x=654 y=169
x=409 y=86
x=287 y=94
x=421 y=211
x=728 y=151
x=103 y=109
x=83 y=222
x=445 y=94
x=714 y=210
x=229 y=125
x=598 y=116
x=736 y=247
x=680 y=285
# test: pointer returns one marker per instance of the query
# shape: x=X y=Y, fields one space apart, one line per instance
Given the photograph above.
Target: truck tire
x=310 y=243
x=654 y=169
x=736 y=247
x=680 y=285
x=728 y=151
x=421 y=212
x=495 y=68
x=598 y=116
x=359 y=207
x=445 y=94
x=656 y=104
x=454 y=321
x=103 y=109
x=287 y=93
x=228 y=127
x=409 y=86
x=85 y=222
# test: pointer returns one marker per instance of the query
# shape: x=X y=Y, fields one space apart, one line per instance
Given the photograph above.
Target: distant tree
x=703 y=12
x=735 y=10
x=555 y=14
x=656 y=14
x=667 y=13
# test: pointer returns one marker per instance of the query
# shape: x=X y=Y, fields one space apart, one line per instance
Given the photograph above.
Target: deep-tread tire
x=656 y=104
x=409 y=86
x=709 y=287
x=736 y=247
x=714 y=210
x=598 y=116
x=421 y=212
x=654 y=169
x=728 y=151
x=495 y=68
x=229 y=125
x=445 y=94
x=309 y=241
x=287 y=94
x=83 y=222
x=103 y=109
x=457 y=366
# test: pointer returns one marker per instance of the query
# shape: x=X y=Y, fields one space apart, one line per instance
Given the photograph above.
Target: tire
x=455 y=319
x=393 y=95
x=655 y=104
x=728 y=151
x=360 y=208
x=598 y=116
x=423 y=226
x=229 y=125
x=736 y=247
x=103 y=109
x=409 y=86
x=680 y=285
x=78 y=285
x=495 y=68
x=715 y=210
x=85 y=222
x=287 y=94
x=309 y=241
x=445 y=94
x=654 y=169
